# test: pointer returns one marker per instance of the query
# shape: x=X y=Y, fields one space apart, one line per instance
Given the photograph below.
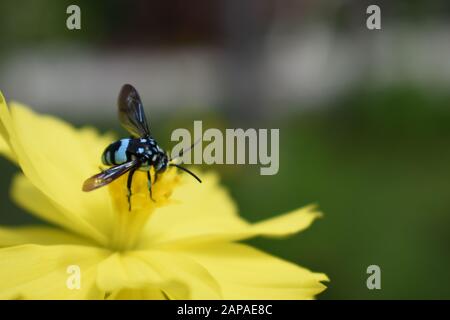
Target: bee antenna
x=182 y=152
x=186 y=170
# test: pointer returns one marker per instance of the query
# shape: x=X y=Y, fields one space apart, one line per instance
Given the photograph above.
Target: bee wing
x=109 y=175
x=131 y=112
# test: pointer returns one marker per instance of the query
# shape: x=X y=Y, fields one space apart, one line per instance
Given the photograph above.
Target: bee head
x=162 y=162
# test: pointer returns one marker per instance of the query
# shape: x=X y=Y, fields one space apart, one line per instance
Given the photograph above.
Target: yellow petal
x=138 y=294
x=5 y=149
x=285 y=224
x=27 y=196
x=246 y=273
x=157 y=274
x=123 y=274
x=198 y=218
x=181 y=269
x=13 y=236
x=57 y=158
x=5 y=124
x=41 y=272
x=122 y=271
x=196 y=210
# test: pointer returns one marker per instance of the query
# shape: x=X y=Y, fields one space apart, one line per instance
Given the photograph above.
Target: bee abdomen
x=116 y=153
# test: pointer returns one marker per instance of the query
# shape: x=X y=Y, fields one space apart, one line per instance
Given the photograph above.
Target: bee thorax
x=129 y=149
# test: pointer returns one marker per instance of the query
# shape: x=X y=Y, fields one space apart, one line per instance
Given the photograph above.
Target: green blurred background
x=364 y=115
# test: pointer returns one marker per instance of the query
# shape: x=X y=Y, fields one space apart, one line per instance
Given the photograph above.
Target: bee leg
x=129 y=181
x=149 y=183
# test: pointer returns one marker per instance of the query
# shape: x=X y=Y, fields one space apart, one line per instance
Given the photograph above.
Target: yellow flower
x=185 y=245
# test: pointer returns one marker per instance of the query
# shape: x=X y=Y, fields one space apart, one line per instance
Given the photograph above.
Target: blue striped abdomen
x=116 y=153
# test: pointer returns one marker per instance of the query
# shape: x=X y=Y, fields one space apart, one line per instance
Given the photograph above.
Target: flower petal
x=41 y=272
x=246 y=273
x=121 y=271
x=123 y=275
x=27 y=196
x=57 y=158
x=155 y=273
x=196 y=210
x=200 y=283
x=13 y=236
x=5 y=149
x=285 y=224
x=198 y=218
x=139 y=294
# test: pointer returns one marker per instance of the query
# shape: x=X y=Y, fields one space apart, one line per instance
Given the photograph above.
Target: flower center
x=131 y=217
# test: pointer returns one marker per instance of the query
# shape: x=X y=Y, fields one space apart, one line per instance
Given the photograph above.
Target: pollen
x=131 y=219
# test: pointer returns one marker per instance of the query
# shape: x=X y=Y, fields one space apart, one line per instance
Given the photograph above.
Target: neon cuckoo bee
x=140 y=152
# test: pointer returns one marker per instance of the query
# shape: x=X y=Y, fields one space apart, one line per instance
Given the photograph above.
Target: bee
x=139 y=152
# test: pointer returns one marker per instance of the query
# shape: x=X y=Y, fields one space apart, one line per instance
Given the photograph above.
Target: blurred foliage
x=145 y=23
x=104 y=23
x=26 y=23
x=376 y=163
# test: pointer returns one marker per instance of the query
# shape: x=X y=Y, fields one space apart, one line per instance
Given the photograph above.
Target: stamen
x=129 y=222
